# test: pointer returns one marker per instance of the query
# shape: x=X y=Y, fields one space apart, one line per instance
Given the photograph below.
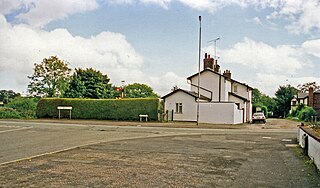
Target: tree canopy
x=264 y=101
x=305 y=87
x=5 y=95
x=50 y=78
x=89 y=83
x=137 y=90
x=284 y=95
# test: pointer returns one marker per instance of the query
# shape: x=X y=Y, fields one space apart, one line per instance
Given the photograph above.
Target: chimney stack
x=216 y=67
x=227 y=74
x=310 y=100
x=208 y=62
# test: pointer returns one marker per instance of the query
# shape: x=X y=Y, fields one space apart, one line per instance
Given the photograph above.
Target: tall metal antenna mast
x=198 y=107
x=215 y=46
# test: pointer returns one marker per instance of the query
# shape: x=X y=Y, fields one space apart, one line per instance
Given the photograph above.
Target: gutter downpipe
x=219 y=88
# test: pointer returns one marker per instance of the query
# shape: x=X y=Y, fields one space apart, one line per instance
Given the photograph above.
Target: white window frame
x=178 y=108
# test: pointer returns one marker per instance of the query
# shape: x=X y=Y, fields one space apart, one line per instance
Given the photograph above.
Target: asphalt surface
x=44 y=154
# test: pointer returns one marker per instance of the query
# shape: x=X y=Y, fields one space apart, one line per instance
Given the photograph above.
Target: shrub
x=306 y=113
x=110 y=109
x=295 y=112
x=9 y=113
x=26 y=107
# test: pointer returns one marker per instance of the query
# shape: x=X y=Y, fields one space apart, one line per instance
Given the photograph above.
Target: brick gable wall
x=316 y=102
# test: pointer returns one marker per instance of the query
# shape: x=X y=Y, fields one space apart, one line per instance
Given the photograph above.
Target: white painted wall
x=209 y=81
x=237 y=100
x=238 y=115
x=314 y=147
x=241 y=90
x=215 y=113
x=249 y=107
x=189 y=106
x=227 y=89
x=220 y=113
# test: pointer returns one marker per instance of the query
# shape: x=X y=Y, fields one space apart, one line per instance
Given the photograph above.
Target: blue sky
x=264 y=43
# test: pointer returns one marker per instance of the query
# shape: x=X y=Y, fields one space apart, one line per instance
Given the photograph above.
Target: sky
x=265 y=43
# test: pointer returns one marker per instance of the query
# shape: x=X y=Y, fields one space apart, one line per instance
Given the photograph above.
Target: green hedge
x=109 y=109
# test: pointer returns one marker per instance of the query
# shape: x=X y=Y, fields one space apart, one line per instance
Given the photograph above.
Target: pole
x=122 y=90
x=215 y=47
x=198 y=100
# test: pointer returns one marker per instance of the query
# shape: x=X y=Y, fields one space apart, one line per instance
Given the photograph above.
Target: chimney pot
x=208 y=62
x=227 y=74
x=216 y=66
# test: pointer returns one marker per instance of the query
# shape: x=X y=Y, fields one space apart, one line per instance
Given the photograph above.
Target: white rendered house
x=222 y=99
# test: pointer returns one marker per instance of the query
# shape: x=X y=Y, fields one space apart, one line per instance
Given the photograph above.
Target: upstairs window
x=235 y=89
x=178 y=108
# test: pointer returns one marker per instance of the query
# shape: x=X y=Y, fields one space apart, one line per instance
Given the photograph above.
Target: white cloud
x=7 y=6
x=269 y=83
x=303 y=16
x=257 y=21
x=261 y=56
x=162 y=3
x=312 y=47
x=38 y=13
x=165 y=83
x=203 y=5
x=21 y=47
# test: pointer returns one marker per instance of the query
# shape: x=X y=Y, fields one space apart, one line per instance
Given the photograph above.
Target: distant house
x=310 y=98
x=222 y=100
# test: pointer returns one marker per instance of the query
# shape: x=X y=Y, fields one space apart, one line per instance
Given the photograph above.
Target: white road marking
x=15 y=129
x=267 y=137
x=286 y=140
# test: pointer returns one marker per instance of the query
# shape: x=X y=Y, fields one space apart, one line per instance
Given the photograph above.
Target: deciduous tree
x=50 y=78
x=6 y=95
x=137 y=90
x=284 y=96
x=305 y=87
x=89 y=83
x=261 y=100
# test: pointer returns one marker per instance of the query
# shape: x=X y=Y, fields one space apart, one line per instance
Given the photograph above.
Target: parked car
x=258 y=117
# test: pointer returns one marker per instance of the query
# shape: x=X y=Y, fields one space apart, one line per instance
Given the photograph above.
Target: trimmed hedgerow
x=109 y=109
